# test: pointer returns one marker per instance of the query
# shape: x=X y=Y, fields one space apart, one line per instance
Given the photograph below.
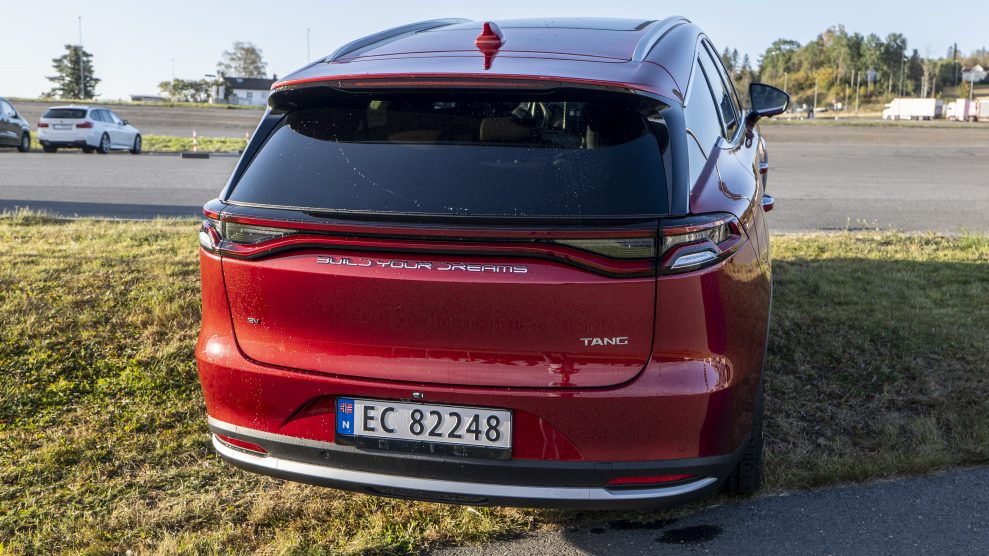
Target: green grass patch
x=174 y=144
x=879 y=365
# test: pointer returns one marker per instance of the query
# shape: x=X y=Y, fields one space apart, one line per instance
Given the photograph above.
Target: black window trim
x=740 y=112
x=739 y=132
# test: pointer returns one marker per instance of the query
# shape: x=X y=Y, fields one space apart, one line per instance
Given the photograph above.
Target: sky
x=134 y=43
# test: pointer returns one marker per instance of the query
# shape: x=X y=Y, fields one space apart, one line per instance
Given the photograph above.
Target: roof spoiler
x=392 y=34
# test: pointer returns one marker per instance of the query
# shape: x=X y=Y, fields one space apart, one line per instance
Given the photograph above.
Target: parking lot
x=823 y=178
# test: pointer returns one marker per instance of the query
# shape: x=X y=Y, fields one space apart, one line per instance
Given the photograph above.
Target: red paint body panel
x=695 y=394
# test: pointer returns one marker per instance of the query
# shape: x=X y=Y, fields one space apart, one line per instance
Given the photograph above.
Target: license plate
x=62 y=126
x=443 y=424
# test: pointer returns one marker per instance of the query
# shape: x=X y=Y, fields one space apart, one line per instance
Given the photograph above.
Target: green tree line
x=837 y=63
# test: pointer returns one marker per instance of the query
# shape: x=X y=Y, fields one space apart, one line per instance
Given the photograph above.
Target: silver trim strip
x=230 y=427
x=362 y=478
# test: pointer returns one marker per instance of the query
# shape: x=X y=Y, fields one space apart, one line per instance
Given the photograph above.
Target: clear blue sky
x=134 y=41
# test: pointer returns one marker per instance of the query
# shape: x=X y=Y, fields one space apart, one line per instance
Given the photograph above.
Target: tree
x=182 y=90
x=243 y=60
x=74 y=76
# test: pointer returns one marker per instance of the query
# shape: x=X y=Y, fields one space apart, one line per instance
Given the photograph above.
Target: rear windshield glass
x=66 y=113
x=471 y=157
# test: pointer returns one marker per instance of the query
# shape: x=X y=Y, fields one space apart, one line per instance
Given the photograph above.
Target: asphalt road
x=823 y=178
x=156 y=120
x=118 y=185
x=941 y=514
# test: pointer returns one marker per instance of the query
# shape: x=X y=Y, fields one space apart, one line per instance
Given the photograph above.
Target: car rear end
x=444 y=293
x=67 y=127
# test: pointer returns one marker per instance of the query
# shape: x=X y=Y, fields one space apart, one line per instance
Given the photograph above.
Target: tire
x=136 y=148
x=49 y=149
x=25 y=144
x=104 y=144
x=747 y=475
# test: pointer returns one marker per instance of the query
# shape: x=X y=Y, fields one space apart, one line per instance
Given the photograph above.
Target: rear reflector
x=242 y=445
x=648 y=480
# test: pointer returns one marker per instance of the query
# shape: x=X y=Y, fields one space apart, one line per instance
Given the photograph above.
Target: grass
x=879 y=365
x=174 y=144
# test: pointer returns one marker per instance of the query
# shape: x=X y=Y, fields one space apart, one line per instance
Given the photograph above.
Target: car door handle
x=768 y=203
x=763 y=167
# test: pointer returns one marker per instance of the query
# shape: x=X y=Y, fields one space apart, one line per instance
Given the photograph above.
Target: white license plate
x=445 y=424
x=62 y=126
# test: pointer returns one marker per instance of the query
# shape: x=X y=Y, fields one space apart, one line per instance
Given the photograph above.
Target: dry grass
x=879 y=366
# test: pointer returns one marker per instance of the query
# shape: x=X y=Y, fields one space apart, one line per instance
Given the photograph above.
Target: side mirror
x=125 y=122
x=766 y=101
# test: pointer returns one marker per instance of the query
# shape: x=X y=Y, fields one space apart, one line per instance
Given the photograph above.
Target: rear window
x=66 y=113
x=466 y=157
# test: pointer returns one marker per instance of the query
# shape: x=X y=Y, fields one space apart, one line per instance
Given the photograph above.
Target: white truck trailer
x=913 y=109
x=961 y=110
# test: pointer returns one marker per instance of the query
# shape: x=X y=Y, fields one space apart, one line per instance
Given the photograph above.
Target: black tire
x=49 y=149
x=104 y=144
x=747 y=476
x=88 y=150
x=25 y=144
x=136 y=148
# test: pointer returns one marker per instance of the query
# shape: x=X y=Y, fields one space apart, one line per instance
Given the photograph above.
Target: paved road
x=156 y=120
x=823 y=178
x=913 y=179
x=943 y=514
x=117 y=185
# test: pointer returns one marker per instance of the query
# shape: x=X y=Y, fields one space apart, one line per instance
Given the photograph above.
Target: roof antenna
x=488 y=42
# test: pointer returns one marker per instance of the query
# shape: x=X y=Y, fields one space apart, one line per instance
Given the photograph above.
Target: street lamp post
x=82 y=70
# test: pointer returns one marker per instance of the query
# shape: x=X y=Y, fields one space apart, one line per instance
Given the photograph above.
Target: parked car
x=14 y=129
x=88 y=128
x=536 y=275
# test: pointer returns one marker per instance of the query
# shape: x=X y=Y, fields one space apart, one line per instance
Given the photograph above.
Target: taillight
x=85 y=125
x=214 y=231
x=632 y=248
x=698 y=242
x=42 y=124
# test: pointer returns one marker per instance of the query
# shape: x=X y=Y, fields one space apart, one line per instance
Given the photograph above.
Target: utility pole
x=785 y=78
x=82 y=71
x=858 y=78
x=971 y=86
x=903 y=62
x=815 y=97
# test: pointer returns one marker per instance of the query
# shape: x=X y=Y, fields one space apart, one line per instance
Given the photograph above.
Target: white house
x=973 y=74
x=244 y=91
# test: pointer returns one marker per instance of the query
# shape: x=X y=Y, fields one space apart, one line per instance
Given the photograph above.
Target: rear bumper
x=544 y=484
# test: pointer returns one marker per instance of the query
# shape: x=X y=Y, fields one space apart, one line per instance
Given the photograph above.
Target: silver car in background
x=88 y=128
x=14 y=129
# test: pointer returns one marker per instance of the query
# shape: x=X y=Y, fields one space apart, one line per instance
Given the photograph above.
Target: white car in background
x=87 y=127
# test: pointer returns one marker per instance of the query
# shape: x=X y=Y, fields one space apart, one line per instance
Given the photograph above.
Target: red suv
x=515 y=263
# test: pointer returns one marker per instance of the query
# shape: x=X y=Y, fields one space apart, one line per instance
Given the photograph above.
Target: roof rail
x=656 y=32
x=392 y=34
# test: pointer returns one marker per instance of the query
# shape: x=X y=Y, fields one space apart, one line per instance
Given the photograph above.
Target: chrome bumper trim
x=255 y=433
x=361 y=478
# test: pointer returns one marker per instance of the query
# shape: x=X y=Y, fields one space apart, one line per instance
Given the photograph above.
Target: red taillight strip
x=242 y=445
x=560 y=253
x=453 y=80
x=412 y=232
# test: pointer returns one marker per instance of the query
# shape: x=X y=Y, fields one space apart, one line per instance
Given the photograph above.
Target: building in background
x=249 y=91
